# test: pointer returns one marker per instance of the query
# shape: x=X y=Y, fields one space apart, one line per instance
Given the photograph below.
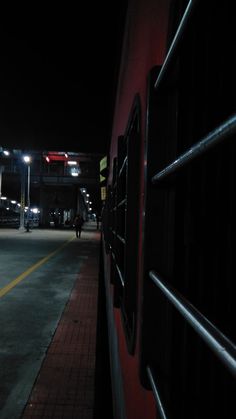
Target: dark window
x=124 y=223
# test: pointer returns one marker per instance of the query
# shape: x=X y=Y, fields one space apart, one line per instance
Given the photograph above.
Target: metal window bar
x=176 y=41
x=120 y=275
x=156 y=394
x=224 y=349
x=123 y=166
x=120 y=238
x=121 y=203
x=214 y=137
x=118 y=270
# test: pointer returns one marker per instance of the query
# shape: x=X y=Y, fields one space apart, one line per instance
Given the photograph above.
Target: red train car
x=168 y=223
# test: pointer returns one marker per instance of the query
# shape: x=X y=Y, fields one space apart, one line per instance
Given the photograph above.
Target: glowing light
x=27 y=159
x=35 y=210
x=74 y=171
x=72 y=162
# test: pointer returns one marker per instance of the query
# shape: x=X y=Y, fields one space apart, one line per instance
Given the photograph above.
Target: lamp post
x=27 y=160
x=22 y=198
x=5 y=153
x=1 y=170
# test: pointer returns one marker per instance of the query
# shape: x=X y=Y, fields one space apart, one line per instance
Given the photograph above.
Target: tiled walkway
x=64 y=388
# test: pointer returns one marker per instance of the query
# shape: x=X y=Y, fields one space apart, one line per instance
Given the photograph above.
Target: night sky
x=58 y=75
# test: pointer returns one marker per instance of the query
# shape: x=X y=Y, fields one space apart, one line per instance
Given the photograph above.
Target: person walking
x=78 y=222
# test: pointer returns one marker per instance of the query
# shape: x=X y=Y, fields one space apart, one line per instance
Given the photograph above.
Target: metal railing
x=156 y=394
x=215 y=340
x=214 y=137
x=118 y=270
x=224 y=349
x=176 y=41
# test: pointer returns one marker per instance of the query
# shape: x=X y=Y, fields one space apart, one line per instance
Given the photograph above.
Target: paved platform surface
x=56 y=371
x=64 y=388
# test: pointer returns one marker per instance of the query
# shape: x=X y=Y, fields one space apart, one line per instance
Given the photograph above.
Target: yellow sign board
x=103 y=193
x=103 y=163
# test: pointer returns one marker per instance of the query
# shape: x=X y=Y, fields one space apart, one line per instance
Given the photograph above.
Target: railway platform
x=62 y=385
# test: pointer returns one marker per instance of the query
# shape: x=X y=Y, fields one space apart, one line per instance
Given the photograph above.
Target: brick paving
x=64 y=388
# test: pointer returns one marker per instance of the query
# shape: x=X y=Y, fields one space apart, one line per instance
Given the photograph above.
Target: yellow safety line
x=19 y=278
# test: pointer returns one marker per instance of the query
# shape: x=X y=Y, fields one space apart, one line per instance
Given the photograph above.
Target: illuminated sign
x=103 y=193
x=103 y=163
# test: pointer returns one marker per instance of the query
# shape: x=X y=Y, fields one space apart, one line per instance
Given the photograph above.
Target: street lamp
x=27 y=160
